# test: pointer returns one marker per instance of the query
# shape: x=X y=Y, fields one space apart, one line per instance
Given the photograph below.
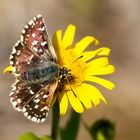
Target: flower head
x=76 y=89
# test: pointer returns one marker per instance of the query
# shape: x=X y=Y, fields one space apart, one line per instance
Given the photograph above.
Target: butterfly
x=36 y=71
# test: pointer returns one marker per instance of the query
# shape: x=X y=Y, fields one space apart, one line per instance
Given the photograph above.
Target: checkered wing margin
x=35 y=37
x=33 y=99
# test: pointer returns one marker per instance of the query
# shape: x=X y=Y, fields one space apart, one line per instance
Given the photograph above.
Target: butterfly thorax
x=41 y=74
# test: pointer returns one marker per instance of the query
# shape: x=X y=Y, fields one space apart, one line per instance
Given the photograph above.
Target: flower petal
x=82 y=97
x=75 y=102
x=99 y=52
x=63 y=102
x=99 y=66
x=109 y=69
x=99 y=62
x=105 y=83
x=84 y=43
x=69 y=36
x=8 y=69
x=56 y=40
x=93 y=93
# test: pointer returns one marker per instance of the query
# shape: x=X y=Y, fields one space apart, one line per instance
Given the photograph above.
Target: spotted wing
x=35 y=37
x=23 y=59
x=22 y=92
x=27 y=55
x=33 y=99
x=38 y=107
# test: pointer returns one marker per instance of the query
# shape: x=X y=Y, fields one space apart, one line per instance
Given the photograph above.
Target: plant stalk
x=55 y=121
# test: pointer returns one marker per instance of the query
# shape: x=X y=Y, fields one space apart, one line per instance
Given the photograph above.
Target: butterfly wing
x=22 y=92
x=33 y=51
x=23 y=59
x=37 y=108
x=34 y=47
x=33 y=99
x=35 y=37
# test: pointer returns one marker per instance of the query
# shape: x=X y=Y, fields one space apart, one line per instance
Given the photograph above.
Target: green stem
x=55 y=121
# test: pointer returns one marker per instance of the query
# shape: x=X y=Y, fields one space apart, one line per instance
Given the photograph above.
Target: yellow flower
x=77 y=89
x=85 y=68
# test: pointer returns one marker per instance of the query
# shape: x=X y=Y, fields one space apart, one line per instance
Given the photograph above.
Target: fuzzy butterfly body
x=36 y=71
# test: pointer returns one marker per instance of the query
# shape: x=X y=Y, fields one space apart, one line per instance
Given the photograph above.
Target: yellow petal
x=99 y=66
x=99 y=62
x=93 y=93
x=82 y=97
x=99 y=52
x=105 y=83
x=84 y=43
x=75 y=102
x=56 y=40
x=63 y=102
x=69 y=36
x=8 y=69
x=109 y=69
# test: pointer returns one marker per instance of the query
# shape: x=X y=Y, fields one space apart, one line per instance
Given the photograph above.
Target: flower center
x=72 y=61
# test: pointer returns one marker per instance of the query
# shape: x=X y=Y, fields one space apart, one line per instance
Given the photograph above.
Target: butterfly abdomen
x=41 y=74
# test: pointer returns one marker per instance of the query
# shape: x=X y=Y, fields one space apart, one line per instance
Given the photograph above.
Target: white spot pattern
x=33 y=35
x=34 y=42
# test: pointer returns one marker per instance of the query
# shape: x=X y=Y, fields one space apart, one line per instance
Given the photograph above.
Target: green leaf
x=46 y=138
x=71 y=129
x=102 y=130
x=28 y=136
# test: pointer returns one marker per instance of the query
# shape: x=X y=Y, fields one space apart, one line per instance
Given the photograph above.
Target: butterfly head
x=64 y=72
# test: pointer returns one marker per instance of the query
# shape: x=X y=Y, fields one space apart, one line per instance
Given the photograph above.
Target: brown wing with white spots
x=22 y=58
x=32 y=52
x=35 y=36
x=22 y=92
x=37 y=107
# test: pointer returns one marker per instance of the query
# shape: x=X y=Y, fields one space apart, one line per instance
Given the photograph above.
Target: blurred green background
x=115 y=23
